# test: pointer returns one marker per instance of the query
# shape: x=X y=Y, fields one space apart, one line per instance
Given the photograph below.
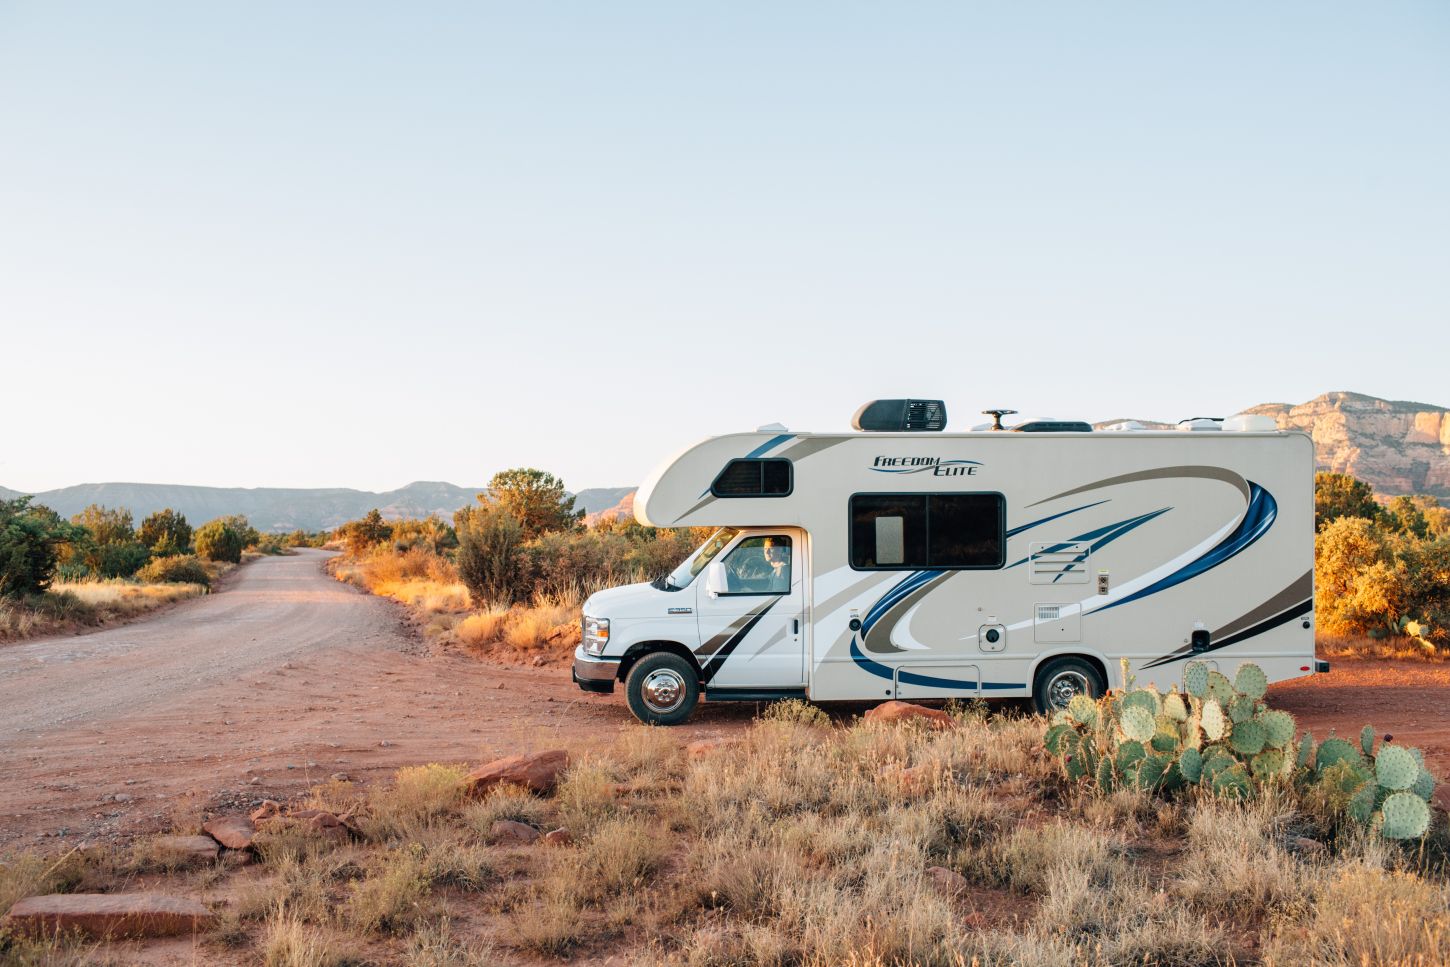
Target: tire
x=662 y=689
x=1060 y=679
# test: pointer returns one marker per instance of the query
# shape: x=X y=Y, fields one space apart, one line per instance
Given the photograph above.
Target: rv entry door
x=752 y=613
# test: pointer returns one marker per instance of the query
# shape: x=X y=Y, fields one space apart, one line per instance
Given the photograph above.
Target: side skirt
x=751 y=694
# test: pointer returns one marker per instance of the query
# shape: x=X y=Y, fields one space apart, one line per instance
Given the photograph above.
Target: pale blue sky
x=363 y=244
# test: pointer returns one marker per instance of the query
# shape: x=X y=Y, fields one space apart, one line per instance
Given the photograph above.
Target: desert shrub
x=1339 y=495
x=365 y=533
x=166 y=532
x=120 y=560
x=181 y=569
x=217 y=540
x=489 y=554
x=31 y=540
x=432 y=533
x=537 y=500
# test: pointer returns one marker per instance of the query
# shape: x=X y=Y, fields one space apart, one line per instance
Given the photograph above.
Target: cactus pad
x=1405 y=816
x=1242 y=709
x=1220 y=688
x=1195 y=679
x=1366 y=740
x=1278 y=728
x=1128 y=753
x=1214 y=725
x=1143 y=699
x=1333 y=750
x=1075 y=767
x=1174 y=708
x=1137 y=724
x=1082 y=710
x=1190 y=763
x=1395 y=768
x=1106 y=779
x=1247 y=738
x=1361 y=805
x=1306 y=750
x=1251 y=680
x=1152 y=770
x=1269 y=764
x=1424 y=785
x=1232 y=783
x=1215 y=764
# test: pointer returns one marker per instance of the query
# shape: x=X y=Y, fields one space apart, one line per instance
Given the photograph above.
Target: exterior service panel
x=1117 y=545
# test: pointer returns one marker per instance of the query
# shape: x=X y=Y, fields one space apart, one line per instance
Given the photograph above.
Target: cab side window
x=759 y=565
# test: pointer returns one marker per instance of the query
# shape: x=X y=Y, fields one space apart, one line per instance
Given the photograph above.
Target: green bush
x=120 y=560
x=490 y=555
x=31 y=540
x=166 y=532
x=217 y=540
x=365 y=533
x=177 y=569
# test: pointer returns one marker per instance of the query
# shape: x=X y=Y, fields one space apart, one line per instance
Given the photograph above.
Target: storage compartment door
x=929 y=679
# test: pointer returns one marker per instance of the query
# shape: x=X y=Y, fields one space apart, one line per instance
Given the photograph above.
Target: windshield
x=681 y=576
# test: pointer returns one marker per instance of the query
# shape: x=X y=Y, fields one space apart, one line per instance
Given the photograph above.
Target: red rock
x=509 y=832
x=538 y=771
x=906 y=712
x=558 y=837
x=233 y=832
x=106 y=916
x=949 y=883
x=268 y=809
x=701 y=748
x=187 y=849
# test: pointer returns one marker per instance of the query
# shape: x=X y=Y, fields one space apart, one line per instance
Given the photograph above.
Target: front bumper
x=595 y=674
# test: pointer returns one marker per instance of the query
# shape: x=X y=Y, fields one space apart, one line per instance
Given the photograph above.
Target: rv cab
x=901 y=561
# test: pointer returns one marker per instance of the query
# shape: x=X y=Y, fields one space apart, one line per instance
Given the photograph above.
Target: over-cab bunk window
x=746 y=477
x=902 y=532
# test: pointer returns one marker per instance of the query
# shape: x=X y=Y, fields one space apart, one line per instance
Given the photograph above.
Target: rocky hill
x=286 y=509
x=1397 y=447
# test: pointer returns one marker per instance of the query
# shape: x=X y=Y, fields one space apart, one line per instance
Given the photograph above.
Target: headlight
x=596 y=635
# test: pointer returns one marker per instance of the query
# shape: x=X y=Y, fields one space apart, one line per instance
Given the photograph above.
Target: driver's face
x=775 y=555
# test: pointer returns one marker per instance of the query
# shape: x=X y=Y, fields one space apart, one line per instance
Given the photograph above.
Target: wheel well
x=1092 y=660
x=638 y=650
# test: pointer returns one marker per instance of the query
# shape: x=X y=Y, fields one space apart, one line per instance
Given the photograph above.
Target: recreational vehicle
x=901 y=561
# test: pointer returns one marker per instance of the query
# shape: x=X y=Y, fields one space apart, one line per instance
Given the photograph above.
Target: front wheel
x=662 y=689
x=1059 y=680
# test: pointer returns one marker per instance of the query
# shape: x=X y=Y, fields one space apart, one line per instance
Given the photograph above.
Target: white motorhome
x=900 y=561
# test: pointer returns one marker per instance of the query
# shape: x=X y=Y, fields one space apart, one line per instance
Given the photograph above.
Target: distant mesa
x=1397 y=447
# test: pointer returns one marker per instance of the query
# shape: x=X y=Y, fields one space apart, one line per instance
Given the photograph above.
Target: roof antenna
x=996 y=416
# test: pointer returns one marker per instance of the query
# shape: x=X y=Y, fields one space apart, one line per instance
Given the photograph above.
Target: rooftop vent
x=1053 y=426
x=896 y=416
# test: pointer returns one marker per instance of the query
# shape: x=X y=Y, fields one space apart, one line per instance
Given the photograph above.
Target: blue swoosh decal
x=1103 y=536
x=915 y=678
x=1257 y=520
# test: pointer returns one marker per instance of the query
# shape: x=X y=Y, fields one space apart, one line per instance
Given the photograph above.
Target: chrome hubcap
x=1063 y=687
x=663 y=691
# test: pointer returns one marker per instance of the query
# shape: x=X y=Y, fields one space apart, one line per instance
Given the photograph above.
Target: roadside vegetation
x=810 y=842
x=97 y=568
x=506 y=577
x=1381 y=572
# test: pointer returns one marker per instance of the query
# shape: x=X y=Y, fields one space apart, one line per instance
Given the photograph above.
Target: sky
x=351 y=244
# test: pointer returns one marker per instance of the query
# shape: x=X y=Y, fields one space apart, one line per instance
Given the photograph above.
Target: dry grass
x=1396 y=647
x=69 y=606
x=811 y=843
x=428 y=586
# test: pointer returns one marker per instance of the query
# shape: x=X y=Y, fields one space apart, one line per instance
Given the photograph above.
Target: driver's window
x=759 y=565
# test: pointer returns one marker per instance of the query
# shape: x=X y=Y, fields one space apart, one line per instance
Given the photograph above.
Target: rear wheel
x=1062 y=678
x=662 y=689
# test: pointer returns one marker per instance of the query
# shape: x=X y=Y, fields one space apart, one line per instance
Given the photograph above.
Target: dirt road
x=289 y=677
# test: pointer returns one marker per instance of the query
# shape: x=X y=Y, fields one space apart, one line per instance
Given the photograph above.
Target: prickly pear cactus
x=1269 y=765
x=1242 y=709
x=1129 y=752
x=1152 y=771
x=1174 y=708
x=1366 y=741
x=1195 y=679
x=1143 y=699
x=1083 y=710
x=1107 y=780
x=1306 y=751
x=1137 y=724
x=1333 y=750
x=1232 y=783
x=1424 y=785
x=1247 y=738
x=1251 y=681
x=1190 y=764
x=1404 y=815
x=1278 y=728
x=1214 y=725
x=1395 y=768
x=1220 y=689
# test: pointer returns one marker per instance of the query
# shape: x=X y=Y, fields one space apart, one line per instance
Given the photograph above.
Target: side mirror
x=715 y=579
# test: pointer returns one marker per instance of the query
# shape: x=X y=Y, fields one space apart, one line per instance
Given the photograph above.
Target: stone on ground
x=233 y=832
x=107 y=916
x=538 y=772
x=508 y=831
x=187 y=849
x=906 y=712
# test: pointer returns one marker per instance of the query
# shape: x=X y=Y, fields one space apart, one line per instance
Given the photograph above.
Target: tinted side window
x=754 y=478
x=906 y=531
